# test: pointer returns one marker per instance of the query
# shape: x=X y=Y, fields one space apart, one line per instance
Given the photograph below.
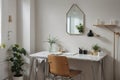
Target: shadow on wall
x=104 y=39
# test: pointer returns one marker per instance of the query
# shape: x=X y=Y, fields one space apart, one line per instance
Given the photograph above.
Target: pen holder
x=84 y=51
x=80 y=51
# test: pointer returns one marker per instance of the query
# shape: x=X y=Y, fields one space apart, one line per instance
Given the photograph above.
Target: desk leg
x=93 y=71
x=31 y=66
x=45 y=69
x=36 y=69
x=102 y=70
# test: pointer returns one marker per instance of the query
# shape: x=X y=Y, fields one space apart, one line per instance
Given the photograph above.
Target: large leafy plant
x=16 y=59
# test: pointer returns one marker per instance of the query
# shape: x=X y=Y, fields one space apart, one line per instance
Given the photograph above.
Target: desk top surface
x=44 y=54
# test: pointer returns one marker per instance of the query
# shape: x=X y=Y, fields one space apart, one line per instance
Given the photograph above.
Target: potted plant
x=52 y=42
x=16 y=61
x=80 y=28
x=95 y=49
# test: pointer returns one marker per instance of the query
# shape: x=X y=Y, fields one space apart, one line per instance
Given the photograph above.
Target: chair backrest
x=58 y=65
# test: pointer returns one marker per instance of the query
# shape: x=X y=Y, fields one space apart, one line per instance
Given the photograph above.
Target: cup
x=84 y=51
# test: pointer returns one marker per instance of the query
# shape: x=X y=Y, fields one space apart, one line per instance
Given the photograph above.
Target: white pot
x=18 y=78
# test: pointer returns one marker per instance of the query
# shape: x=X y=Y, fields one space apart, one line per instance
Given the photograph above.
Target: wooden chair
x=58 y=66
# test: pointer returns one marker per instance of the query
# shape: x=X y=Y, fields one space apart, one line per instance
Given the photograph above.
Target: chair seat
x=74 y=72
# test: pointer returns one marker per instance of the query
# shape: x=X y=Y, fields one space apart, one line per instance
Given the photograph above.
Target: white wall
x=3 y=65
x=8 y=8
x=24 y=23
x=25 y=30
x=32 y=27
x=51 y=19
x=12 y=26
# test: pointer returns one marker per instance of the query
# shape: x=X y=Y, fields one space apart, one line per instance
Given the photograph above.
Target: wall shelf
x=108 y=26
x=105 y=25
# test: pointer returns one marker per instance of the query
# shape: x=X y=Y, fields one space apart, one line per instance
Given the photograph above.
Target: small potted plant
x=16 y=61
x=95 y=49
x=80 y=28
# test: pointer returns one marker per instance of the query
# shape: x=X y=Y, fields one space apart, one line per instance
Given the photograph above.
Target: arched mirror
x=75 y=20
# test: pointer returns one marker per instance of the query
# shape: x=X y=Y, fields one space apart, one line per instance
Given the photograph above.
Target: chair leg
x=62 y=78
x=71 y=79
x=66 y=78
x=53 y=77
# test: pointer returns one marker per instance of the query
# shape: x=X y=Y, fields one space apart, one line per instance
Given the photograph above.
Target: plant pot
x=18 y=78
x=94 y=52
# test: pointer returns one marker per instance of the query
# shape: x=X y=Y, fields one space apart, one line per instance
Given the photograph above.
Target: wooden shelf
x=105 y=25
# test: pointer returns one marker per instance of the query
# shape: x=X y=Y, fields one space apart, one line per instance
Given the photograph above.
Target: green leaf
x=80 y=27
x=23 y=51
x=96 y=47
x=16 y=45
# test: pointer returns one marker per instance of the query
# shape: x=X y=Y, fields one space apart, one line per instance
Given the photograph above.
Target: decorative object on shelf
x=95 y=49
x=100 y=22
x=113 y=22
x=52 y=44
x=80 y=28
x=90 y=33
x=16 y=61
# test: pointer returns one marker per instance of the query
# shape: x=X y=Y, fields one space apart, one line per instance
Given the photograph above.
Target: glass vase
x=52 y=47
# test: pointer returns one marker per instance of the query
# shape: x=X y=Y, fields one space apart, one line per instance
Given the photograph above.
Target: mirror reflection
x=75 y=20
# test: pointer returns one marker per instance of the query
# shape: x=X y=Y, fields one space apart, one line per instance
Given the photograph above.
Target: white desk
x=44 y=55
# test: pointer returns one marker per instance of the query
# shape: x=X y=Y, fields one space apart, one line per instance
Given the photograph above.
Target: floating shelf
x=105 y=25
